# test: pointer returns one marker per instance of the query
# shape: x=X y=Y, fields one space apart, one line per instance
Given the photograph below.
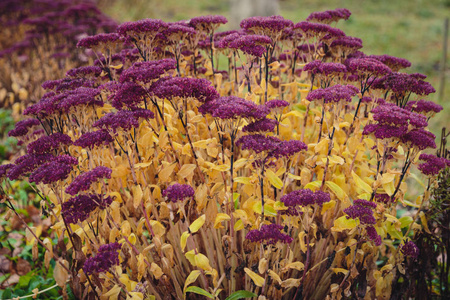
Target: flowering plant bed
x=267 y=162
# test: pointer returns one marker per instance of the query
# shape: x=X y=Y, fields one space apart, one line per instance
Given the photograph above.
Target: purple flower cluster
x=27 y=163
x=262 y=125
x=305 y=197
x=179 y=192
x=225 y=41
x=419 y=138
x=84 y=181
x=251 y=44
x=128 y=94
x=400 y=84
x=49 y=143
x=362 y=210
x=77 y=97
x=99 y=40
x=424 y=107
x=145 y=26
x=147 y=71
x=22 y=127
x=394 y=63
x=346 y=44
x=107 y=256
x=432 y=164
x=394 y=121
x=54 y=170
x=176 y=31
x=123 y=119
x=67 y=83
x=269 y=234
x=272 y=145
x=329 y=16
x=266 y=25
x=207 y=23
x=85 y=71
x=333 y=94
x=373 y=235
x=232 y=107
x=410 y=249
x=78 y=208
x=324 y=68
x=276 y=105
x=4 y=170
x=94 y=139
x=318 y=30
x=183 y=87
x=365 y=66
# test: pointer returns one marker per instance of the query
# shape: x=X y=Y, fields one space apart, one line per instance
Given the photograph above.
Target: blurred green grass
x=412 y=29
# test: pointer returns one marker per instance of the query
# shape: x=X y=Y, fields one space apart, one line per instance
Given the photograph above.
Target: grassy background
x=412 y=29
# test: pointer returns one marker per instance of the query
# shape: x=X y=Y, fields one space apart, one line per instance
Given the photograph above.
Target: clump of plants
x=267 y=162
x=38 y=42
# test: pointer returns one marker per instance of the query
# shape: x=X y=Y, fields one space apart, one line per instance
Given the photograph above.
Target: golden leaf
x=137 y=195
x=183 y=239
x=343 y=223
x=361 y=183
x=113 y=294
x=197 y=224
x=158 y=229
x=275 y=276
x=60 y=273
x=389 y=188
x=186 y=170
x=337 y=190
x=156 y=271
x=191 y=278
x=202 y=262
x=298 y=265
x=274 y=179
x=257 y=280
x=340 y=270
x=262 y=266
x=219 y=219
x=166 y=171
x=314 y=185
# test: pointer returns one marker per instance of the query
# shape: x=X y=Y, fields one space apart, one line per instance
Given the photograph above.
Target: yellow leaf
x=183 y=240
x=328 y=205
x=201 y=144
x=166 y=171
x=113 y=294
x=290 y=282
x=340 y=270
x=301 y=237
x=191 y=278
x=274 y=179
x=343 y=223
x=387 y=177
x=361 y=183
x=275 y=276
x=389 y=188
x=186 y=170
x=190 y=256
x=257 y=280
x=142 y=165
x=337 y=190
x=243 y=180
x=239 y=225
x=197 y=224
x=202 y=262
x=314 y=185
x=158 y=229
x=220 y=218
x=119 y=66
x=137 y=195
x=322 y=146
x=240 y=163
x=298 y=265
x=156 y=271
x=221 y=168
x=296 y=177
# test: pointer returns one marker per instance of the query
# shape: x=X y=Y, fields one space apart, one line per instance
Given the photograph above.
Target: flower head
x=262 y=125
x=208 y=23
x=145 y=26
x=394 y=63
x=107 y=256
x=84 y=181
x=427 y=108
x=27 y=163
x=269 y=234
x=232 y=107
x=252 y=44
x=56 y=169
x=373 y=235
x=94 y=139
x=49 y=143
x=147 y=71
x=420 y=138
x=333 y=94
x=270 y=26
x=305 y=197
x=362 y=210
x=329 y=16
x=179 y=192
x=85 y=71
x=78 y=208
x=410 y=249
x=123 y=119
x=183 y=87
x=22 y=127
x=101 y=39
x=432 y=164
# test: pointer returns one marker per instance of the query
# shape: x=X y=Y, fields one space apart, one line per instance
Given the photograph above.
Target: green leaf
x=200 y=291
x=241 y=295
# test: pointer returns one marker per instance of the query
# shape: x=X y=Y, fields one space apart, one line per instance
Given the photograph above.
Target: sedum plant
x=267 y=162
